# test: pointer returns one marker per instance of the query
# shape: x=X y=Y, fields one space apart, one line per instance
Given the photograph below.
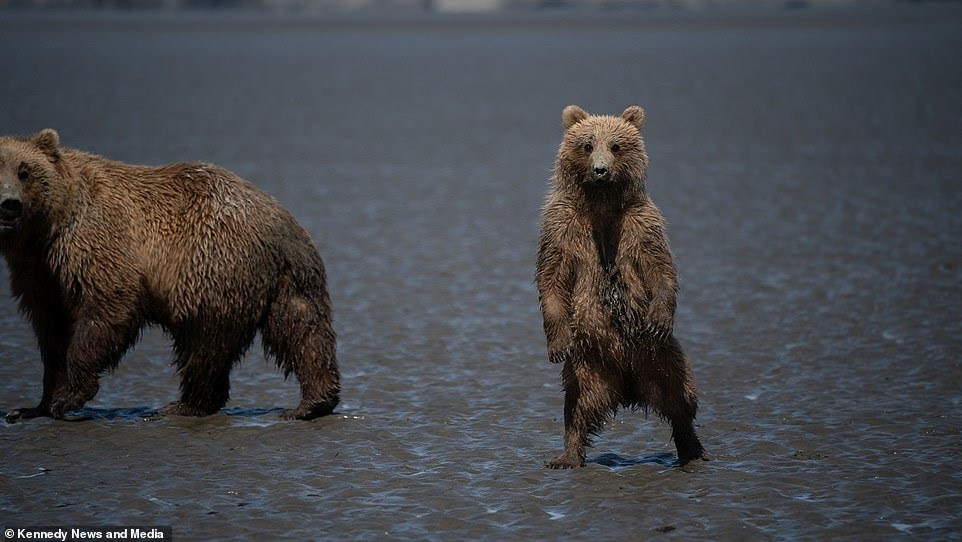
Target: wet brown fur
x=104 y=248
x=607 y=285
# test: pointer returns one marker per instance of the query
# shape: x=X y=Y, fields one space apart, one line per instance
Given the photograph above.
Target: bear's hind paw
x=182 y=409
x=565 y=462
x=309 y=411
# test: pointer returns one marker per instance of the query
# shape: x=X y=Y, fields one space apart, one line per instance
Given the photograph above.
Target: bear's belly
x=604 y=312
x=617 y=305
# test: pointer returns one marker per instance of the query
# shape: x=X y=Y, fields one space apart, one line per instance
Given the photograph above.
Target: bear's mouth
x=599 y=180
x=9 y=224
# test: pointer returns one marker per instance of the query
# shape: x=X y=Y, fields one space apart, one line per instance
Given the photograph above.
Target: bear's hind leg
x=298 y=333
x=588 y=403
x=675 y=399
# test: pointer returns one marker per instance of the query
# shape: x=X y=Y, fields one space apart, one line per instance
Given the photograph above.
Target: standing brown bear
x=607 y=283
x=98 y=249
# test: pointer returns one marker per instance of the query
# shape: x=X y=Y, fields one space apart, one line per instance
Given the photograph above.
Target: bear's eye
x=588 y=147
x=615 y=147
x=23 y=172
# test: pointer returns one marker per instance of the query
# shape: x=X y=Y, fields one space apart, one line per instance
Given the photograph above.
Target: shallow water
x=808 y=163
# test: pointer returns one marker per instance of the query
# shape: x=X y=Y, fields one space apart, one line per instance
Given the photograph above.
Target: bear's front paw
x=25 y=414
x=659 y=320
x=560 y=356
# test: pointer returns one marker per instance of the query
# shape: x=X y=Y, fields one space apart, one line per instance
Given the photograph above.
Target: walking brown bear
x=607 y=284
x=98 y=249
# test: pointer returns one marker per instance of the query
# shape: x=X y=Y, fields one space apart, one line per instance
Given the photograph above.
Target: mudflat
x=807 y=161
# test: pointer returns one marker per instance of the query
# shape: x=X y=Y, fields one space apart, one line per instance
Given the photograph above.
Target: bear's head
x=28 y=168
x=602 y=151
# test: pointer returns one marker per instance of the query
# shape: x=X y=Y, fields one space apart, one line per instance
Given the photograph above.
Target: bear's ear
x=48 y=141
x=635 y=116
x=572 y=115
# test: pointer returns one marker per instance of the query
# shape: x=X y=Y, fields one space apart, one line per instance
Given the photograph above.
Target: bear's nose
x=11 y=207
x=601 y=172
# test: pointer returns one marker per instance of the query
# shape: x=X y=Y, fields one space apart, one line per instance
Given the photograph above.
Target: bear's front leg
x=51 y=329
x=52 y=376
x=96 y=346
x=660 y=316
x=558 y=333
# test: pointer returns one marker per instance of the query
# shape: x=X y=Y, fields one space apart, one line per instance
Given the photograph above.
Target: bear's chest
x=615 y=298
x=604 y=293
x=604 y=236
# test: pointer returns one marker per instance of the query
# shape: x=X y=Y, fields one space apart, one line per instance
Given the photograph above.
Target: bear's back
x=195 y=232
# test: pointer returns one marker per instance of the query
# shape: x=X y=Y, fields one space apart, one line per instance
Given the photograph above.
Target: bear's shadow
x=616 y=461
x=148 y=413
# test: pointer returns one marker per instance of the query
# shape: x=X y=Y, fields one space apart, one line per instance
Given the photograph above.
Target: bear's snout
x=11 y=208
x=601 y=166
x=600 y=172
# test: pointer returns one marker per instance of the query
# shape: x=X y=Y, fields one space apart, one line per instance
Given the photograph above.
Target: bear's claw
x=566 y=461
x=562 y=463
x=560 y=357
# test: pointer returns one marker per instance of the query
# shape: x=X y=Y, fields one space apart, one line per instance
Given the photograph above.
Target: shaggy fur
x=98 y=249
x=607 y=284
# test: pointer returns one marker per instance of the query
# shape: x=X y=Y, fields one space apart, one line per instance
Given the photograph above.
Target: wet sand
x=808 y=163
